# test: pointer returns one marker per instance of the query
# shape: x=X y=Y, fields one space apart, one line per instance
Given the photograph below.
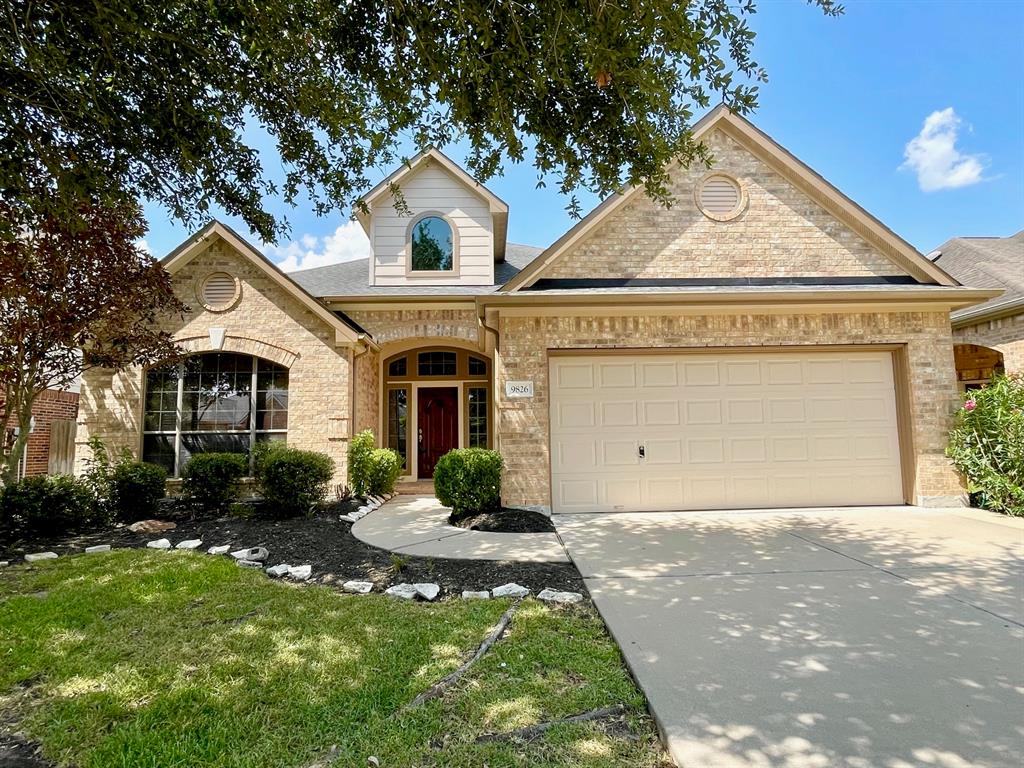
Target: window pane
x=398 y=367
x=478 y=412
x=212 y=442
x=217 y=393
x=159 y=449
x=398 y=413
x=432 y=245
x=477 y=367
x=436 y=363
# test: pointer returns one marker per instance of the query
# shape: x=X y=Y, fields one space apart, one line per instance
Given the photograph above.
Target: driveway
x=886 y=636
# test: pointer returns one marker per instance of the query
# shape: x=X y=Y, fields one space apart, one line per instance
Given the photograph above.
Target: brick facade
x=782 y=232
x=51 y=405
x=523 y=424
x=267 y=322
x=1004 y=334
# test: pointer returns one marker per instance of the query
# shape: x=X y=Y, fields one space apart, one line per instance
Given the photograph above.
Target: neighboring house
x=989 y=337
x=764 y=342
x=51 y=444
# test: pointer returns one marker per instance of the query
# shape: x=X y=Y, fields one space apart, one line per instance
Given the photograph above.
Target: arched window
x=432 y=245
x=219 y=401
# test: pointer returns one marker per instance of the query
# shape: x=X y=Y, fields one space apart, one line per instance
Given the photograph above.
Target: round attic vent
x=720 y=197
x=218 y=291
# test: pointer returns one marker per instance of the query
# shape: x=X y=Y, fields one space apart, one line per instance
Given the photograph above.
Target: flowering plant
x=987 y=445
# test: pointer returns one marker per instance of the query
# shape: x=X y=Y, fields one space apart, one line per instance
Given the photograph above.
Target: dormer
x=450 y=231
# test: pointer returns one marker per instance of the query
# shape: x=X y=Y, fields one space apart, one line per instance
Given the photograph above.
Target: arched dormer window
x=431 y=245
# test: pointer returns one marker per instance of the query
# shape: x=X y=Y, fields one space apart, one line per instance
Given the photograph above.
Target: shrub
x=293 y=481
x=125 y=490
x=987 y=445
x=47 y=505
x=360 y=460
x=385 y=469
x=135 y=489
x=469 y=480
x=210 y=480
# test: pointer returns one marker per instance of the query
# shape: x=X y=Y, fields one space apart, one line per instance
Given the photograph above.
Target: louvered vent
x=219 y=290
x=720 y=196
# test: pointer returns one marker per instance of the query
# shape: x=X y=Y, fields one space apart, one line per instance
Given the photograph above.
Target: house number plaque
x=518 y=389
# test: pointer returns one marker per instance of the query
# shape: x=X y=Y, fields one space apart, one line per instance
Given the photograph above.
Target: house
x=989 y=337
x=764 y=342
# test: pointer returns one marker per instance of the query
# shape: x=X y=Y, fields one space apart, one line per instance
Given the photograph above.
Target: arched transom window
x=432 y=245
x=220 y=401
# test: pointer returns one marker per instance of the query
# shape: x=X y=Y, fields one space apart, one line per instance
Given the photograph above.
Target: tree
x=74 y=296
x=149 y=98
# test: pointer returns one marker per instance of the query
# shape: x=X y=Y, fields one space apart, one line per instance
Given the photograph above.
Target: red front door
x=438 y=420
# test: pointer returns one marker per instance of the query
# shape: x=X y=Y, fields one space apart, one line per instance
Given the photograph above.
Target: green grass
x=180 y=659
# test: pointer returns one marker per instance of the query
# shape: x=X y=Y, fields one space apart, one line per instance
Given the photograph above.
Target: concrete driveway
x=889 y=637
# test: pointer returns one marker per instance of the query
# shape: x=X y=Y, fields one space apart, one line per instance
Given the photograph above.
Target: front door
x=438 y=421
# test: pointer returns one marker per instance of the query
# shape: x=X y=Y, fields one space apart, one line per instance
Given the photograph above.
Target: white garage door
x=723 y=431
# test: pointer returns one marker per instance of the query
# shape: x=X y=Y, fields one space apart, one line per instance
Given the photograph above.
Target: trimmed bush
x=987 y=445
x=210 y=480
x=135 y=489
x=360 y=461
x=47 y=505
x=385 y=469
x=469 y=480
x=293 y=482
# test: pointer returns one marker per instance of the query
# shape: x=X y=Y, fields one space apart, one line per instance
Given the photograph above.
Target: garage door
x=723 y=431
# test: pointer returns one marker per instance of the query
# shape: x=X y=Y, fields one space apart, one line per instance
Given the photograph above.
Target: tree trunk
x=22 y=408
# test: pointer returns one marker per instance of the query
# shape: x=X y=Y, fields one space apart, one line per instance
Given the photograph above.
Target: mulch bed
x=506 y=520
x=327 y=544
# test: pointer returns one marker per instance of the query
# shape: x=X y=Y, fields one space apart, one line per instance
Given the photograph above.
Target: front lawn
x=137 y=658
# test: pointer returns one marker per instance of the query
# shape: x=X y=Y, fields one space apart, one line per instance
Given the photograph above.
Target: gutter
x=988 y=312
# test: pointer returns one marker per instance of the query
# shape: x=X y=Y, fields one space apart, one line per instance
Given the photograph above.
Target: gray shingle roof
x=986 y=262
x=351 y=278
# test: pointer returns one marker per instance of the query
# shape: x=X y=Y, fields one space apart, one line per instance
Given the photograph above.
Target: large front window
x=221 y=402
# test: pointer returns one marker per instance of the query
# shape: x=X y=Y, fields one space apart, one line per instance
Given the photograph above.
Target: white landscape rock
x=278 y=571
x=252 y=553
x=4 y=563
x=482 y=594
x=363 y=511
x=553 y=596
x=428 y=592
x=347 y=519
x=404 y=591
x=243 y=563
x=358 y=587
x=300 y=572
x=190 y=544
x=221 y=550
x=510 y=590
x=159 y=544
x=97 y=548
x=37 y=556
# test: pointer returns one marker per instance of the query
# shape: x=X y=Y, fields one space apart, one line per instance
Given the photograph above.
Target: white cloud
x=143 y=246
x=348 y=242
x=934 y=157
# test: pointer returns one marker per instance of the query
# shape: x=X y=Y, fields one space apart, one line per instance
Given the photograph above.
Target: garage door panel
x=724 y=431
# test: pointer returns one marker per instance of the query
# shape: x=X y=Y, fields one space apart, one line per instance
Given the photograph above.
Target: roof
x=345 y=331
x=351 y=278
x=987 y=262
x=781 y=160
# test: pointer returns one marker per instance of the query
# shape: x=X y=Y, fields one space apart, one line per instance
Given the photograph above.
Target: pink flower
x=970 y=405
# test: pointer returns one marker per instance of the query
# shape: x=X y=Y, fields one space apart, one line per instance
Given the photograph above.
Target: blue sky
x=846 y=95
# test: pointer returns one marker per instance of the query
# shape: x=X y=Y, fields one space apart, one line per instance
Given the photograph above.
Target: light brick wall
x=267 y=322
x=1005 y=334
x=523 y=424
x=782 y=233
x=403 y=324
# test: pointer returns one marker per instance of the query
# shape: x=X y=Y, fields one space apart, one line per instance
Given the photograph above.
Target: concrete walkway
x=418 y=525
x=847 y=638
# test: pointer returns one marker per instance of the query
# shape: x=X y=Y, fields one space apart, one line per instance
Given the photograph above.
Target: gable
x=781 y=233
x=218 y=244
x=793 y=224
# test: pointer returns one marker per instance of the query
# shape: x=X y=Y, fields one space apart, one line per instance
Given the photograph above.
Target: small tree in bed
x=75 y=293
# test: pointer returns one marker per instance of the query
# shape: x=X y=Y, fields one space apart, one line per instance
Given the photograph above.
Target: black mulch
x=506 y=520
x=17 y=752
x=327 y=544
